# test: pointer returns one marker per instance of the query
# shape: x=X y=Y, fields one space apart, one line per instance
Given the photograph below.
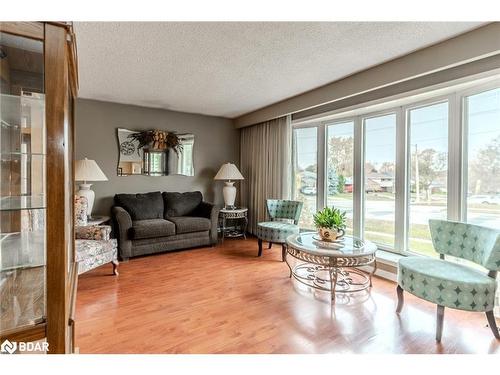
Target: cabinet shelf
x=22 y=293
x=16 y=203
x=22 y=250
x=14 y=108
x=5 y=124
x=15 y=153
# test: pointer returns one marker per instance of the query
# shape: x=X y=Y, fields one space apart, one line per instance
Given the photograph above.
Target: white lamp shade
x=228 y=171
x=88 y=170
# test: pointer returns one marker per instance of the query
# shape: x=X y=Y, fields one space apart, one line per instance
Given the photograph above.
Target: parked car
x=308 y=190
x=484 y=199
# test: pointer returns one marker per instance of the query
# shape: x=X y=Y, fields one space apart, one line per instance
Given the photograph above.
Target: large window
x=340 y=169
x=428 y=173
x=394 y=167
x=483 y=161
x=305 y=176
x=379 y=184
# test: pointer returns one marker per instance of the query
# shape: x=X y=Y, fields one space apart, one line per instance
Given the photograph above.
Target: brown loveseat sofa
x=157 y=222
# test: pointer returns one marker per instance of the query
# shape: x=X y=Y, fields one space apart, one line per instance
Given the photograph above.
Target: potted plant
x=330 y=223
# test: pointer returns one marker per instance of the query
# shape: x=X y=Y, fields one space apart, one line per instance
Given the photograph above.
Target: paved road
x=384 y=210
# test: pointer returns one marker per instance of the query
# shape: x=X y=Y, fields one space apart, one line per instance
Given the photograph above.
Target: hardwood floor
x=227 y=300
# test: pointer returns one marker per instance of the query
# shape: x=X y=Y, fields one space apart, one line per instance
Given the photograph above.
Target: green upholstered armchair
x=284 y=215
x=453 y=285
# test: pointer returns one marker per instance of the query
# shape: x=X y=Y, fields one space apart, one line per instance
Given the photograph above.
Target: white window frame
x=452 y=179
x=457 y=160
x=356 y=219
x=464 y=128
x=320 y=161
x=363 y=118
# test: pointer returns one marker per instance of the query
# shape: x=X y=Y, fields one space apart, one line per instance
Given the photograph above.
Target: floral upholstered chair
x=94 y=247
x=284 y=216
x=450 y=284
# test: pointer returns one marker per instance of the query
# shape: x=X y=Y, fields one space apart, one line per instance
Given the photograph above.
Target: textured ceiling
x=228 y=69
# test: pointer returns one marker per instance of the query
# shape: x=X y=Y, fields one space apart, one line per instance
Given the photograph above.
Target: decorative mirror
x=155 y=153
x=182 y=162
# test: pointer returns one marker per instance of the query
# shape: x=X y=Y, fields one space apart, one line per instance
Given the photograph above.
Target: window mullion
x=321 y=172
x=401 y=183
x=454 y=159
x=358 y=177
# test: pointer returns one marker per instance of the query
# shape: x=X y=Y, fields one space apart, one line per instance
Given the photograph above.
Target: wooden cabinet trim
x=34 y=30
x=28 y=333
x=56 y=94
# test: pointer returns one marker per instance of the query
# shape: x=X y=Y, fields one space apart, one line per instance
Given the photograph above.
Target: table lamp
x=229 y=172
x=88 y=170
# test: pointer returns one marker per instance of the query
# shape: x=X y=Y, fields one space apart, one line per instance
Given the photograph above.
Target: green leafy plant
x=331 y=218
x=157 y=139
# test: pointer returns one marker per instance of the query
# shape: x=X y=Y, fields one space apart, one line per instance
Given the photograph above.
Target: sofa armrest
x=93 y=232
x=209 y=211
x=122 y=222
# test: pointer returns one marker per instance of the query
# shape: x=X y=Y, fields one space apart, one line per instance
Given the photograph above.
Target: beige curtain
x=265 y=158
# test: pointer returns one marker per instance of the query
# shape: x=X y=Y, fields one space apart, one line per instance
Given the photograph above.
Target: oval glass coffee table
x=331 y=266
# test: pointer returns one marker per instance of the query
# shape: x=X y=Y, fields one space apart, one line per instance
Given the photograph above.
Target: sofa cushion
x=181 y=204
x=276 y=231
x=151 y=228
x=189 y=224
x=141 y=206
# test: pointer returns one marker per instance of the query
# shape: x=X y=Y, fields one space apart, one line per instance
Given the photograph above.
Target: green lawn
x=382 y=231
x=420 y=239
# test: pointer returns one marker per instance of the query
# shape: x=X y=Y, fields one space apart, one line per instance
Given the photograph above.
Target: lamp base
x=229 y=192
x=86 y=192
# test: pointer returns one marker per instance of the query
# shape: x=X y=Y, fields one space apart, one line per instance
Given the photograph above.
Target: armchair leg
x=439 y=322
x=270 y=245
x=401 y=299
x=283 y=252
x=260 y=247
x=493 y=324
x=115 y=267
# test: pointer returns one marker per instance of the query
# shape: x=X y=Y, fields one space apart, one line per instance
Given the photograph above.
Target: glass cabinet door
x=22 y=183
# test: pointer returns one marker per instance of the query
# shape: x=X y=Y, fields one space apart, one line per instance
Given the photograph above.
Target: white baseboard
x=382 y=273
x=387 y=275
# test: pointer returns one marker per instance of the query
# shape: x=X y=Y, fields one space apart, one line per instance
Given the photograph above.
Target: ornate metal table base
x=334 y=274
x=338 y=280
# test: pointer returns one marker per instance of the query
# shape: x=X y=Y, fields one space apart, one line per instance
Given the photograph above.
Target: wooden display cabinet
x=38 y=83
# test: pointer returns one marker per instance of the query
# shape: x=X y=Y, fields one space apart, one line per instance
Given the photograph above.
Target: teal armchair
x=453 y=285
x=284 y=215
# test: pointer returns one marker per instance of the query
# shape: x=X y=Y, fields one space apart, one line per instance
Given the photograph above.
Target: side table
x=238 y=215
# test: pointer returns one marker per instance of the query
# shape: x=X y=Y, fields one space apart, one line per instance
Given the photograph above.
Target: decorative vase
x=229 y=193
x=330 y=234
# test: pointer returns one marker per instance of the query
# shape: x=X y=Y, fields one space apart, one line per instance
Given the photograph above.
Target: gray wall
x=216 y=142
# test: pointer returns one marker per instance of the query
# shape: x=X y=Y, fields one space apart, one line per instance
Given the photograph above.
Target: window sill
x=386 y=257
x=390 y=259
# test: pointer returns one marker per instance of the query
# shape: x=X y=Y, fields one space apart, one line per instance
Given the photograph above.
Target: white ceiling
x=228 y=69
